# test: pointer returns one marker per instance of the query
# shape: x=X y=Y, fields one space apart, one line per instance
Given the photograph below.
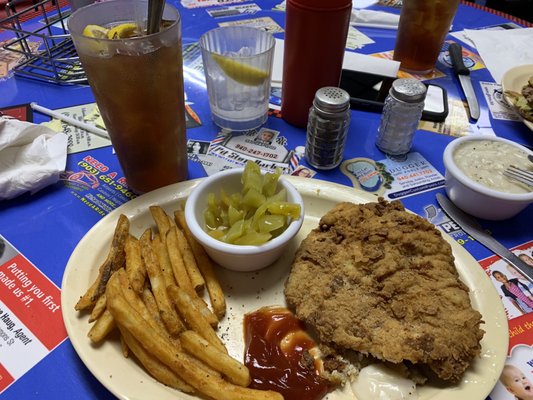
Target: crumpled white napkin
x=31 y=157
x=503 y=49
x=374 y=19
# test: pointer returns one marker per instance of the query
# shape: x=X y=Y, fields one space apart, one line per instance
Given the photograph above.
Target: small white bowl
x=232 y=256
x=475 y=198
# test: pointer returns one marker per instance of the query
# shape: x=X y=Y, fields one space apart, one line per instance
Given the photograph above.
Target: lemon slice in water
x=123 y=31
x=242 y=73
x=95 y=31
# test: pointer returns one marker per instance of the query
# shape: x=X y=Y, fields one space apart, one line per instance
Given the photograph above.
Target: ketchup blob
x=278 y=354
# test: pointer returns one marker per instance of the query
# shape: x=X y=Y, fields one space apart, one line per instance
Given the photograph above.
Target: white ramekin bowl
x=231 y=256
x=475 y=198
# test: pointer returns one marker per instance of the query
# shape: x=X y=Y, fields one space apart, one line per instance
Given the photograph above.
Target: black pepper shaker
x=401 y=115
x=327 y=128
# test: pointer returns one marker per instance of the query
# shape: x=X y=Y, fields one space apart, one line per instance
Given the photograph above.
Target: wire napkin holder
x=48 y=53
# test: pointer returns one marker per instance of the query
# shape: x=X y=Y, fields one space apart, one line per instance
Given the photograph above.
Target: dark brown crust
x=379 y=280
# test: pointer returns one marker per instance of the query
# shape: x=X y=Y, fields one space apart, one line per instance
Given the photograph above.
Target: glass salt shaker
x=327 y=128
x=401 y=115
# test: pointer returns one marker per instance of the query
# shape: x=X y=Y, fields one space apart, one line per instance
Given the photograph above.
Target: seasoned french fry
x=101 y=327
x=149 y=301
x=168 y=313
x=216 y=294
x=205 y=311
x=154 y=367
x=204 y=263
x=124 y=346
x=172 y=222
x=193 y=318
x=115 y=260
x=98 y=309
x=182 y=278
x=148 y=289
x=118 y=256
x=85 y=302
x=161 y=220
x=176 y=260
x=204 y=382
x=197 y=346
x=160 y=249
x=136 y=302
x=134 y=264
x=195 y=275
x=119 y=285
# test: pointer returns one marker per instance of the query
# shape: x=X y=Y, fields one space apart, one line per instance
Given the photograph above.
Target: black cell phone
x=368 y=92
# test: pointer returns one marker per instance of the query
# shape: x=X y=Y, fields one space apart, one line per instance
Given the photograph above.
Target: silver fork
x=519 y=175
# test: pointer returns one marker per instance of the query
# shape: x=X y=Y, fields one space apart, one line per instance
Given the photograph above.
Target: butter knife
x=463 y=73
x=471 y=226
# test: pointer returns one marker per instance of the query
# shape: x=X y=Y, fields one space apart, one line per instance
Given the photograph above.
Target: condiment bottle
x=315 y=40
x=327 y=128
x=401 y=115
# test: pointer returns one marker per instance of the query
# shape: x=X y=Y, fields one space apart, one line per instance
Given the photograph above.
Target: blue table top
x=45 y=227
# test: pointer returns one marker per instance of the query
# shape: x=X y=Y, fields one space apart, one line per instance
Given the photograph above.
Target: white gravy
x=376 y=382
x=484 y=161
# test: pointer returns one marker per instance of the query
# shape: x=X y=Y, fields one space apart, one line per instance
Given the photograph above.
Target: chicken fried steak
x=379 y=280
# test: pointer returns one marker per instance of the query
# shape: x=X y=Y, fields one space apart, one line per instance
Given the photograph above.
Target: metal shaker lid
x=408 y=90
x=331 y=99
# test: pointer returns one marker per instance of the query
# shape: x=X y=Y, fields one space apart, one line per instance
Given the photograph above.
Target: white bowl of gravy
x=475 y=180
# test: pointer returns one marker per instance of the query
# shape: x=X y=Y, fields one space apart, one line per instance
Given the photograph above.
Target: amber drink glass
x=423 y=27
x=138 y=86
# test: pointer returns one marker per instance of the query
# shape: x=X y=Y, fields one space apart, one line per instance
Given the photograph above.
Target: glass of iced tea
x=238 y=66
x=137 y=81
x=423 y=27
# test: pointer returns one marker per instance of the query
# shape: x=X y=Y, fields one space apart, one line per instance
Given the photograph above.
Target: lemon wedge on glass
x=123 y=31
x=239 y=72
x=95 y=31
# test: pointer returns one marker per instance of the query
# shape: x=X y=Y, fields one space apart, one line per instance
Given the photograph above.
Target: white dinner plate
x=515 y=79
x=247 y=292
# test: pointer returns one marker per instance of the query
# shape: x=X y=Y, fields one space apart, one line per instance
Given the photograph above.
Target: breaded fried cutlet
x=379 y=280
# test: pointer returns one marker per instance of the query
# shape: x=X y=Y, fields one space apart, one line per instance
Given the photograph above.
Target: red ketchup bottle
x=315 y=39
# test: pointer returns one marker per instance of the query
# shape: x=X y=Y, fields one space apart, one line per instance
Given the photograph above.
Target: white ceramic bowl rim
x=205 y=239
x=460 y=176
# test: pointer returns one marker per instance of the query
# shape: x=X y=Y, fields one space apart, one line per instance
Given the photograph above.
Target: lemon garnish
x=123 y=31
x=242 y=73
x=95 y=31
